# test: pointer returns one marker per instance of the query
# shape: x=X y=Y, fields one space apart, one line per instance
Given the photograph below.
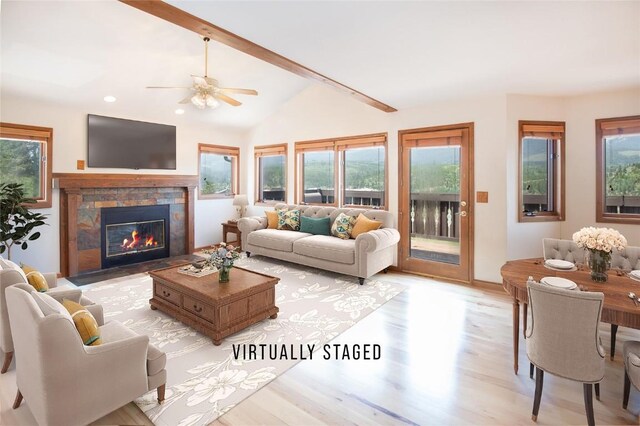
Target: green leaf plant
x=17 y=222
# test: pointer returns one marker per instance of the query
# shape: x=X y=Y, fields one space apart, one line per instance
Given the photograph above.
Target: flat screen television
x=130 y=144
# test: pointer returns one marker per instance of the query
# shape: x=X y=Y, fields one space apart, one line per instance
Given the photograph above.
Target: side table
x=231 y=228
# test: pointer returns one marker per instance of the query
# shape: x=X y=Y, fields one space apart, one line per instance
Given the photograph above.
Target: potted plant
x=17 y=222
x=223 y=257
x=599 y=243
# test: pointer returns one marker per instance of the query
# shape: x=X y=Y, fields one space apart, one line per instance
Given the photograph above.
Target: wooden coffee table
x=214 y=309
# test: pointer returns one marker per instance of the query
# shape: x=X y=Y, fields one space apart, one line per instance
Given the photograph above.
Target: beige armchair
x=67 y=383
x=563 y=339
x=11 y=274
x=631 y=351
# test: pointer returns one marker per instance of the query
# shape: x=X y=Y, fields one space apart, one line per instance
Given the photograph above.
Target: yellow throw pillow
x=272 y=220
x=37 y=281
x=364 y=224
x=27 y=268
x=85 y=323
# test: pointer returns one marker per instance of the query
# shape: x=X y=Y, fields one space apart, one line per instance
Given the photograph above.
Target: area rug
x=205 y=381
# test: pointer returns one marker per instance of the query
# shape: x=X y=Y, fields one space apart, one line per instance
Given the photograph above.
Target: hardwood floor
x=446 y=359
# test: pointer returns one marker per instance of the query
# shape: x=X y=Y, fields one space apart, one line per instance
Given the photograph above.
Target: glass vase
x=223 y=274
x=599 y=262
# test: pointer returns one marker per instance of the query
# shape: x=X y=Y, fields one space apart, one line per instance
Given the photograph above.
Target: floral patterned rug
x=205 y=381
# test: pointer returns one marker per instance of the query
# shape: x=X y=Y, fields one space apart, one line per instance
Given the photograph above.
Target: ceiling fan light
x=212 y=102
x=199 y=101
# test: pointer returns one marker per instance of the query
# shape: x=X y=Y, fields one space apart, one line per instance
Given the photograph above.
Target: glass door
x=435 y=205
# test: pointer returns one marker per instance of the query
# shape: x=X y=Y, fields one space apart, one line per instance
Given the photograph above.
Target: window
x=271 y=173
x=345 y=171
x=218 y=171
x=618 y=170
x=541 y=165
x=26 y=158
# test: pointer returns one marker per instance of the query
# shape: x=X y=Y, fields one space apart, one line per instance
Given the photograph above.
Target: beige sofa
x=362 y=257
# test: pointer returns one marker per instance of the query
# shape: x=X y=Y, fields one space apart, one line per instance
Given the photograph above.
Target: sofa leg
x=248 y=253
x=18 y=400
x=7 y=362
x=361 y=280
x=385 y=270
x=161 y=394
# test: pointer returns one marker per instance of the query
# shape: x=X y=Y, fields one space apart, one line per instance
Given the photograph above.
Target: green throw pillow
x=289 y=220
x=315 y=226
x=342 y=226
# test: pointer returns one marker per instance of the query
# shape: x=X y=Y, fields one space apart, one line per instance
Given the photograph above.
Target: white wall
x=581 y=112
x=70 y=144
x=523 y=238
x=319 y=112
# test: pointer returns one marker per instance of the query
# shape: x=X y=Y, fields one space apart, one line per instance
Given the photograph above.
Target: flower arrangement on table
x=599 y=242
x=223 y=257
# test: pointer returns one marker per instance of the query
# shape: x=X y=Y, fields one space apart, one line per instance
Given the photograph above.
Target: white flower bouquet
x=223 y=257
x=601 y=239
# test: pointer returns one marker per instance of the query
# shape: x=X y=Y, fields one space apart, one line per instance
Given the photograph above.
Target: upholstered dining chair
x=10 y=274
x=563 y=339
x=631 y=350
x=627 y=259
x=65 y=382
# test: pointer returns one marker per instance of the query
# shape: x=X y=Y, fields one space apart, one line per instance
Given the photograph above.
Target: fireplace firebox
x=134 y=234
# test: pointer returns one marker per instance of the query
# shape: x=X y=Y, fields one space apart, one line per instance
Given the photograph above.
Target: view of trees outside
x=272 y=177
x=215 y=173
x=435 y=170
x=622 y=161
x=535 y=173
x=364 y=169
x=20 y=162
x=318 y=170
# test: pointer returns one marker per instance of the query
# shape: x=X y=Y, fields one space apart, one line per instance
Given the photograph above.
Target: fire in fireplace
x=134 y=234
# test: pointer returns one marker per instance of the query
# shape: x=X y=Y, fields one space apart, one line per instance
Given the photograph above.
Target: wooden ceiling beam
x=183 y=19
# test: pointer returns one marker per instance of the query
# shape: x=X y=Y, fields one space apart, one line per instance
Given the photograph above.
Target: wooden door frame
x=404 y=237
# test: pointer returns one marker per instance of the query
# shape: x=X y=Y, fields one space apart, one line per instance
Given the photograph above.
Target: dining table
x=618 y=308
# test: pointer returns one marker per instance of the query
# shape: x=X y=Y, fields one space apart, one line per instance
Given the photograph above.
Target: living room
x=433 y=280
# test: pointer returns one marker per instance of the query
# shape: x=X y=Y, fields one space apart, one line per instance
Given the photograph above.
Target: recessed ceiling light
x=109 y=98
x=179 y=111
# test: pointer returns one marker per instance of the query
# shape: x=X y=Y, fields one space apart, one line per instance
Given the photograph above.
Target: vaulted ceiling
x=405 y=54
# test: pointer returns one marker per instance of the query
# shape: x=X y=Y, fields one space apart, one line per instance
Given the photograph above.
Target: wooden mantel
x=71 y=185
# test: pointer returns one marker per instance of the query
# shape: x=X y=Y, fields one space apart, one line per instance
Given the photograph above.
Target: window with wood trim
x=348 y=171
x=218 y=171
x=26 y=158
x=271 y=173
x=541 y=171
x=618 y=170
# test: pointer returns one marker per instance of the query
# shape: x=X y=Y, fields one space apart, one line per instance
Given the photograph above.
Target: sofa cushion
x=327 y=248
x=364 y=224
x=272 y=220
x=7 y=264
x=85 y=323
x=113 y=331
x=37 y=281
x=342 y=226
x=289 y=220
x=315 y=226
x=275 y=239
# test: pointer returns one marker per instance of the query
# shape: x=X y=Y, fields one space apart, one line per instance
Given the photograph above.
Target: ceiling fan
x=206 y=91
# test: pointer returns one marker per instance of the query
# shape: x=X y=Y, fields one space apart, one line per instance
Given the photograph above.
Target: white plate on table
x=559 y=264
x=559 y=283
x=635 y=274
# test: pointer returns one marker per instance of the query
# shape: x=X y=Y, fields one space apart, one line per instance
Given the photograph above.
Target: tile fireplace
x=134 y=234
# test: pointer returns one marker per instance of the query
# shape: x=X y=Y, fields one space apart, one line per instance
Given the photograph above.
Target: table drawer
x=167 y=294
x=196 y=307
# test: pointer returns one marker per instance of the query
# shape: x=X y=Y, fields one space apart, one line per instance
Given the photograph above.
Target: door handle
x=463 y=203
x=463 y=213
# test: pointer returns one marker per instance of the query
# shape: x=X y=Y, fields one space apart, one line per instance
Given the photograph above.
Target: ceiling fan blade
x=238 y=91
x=211 y=81
x=227 y=99
x=186 y=100
x=166 y=87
